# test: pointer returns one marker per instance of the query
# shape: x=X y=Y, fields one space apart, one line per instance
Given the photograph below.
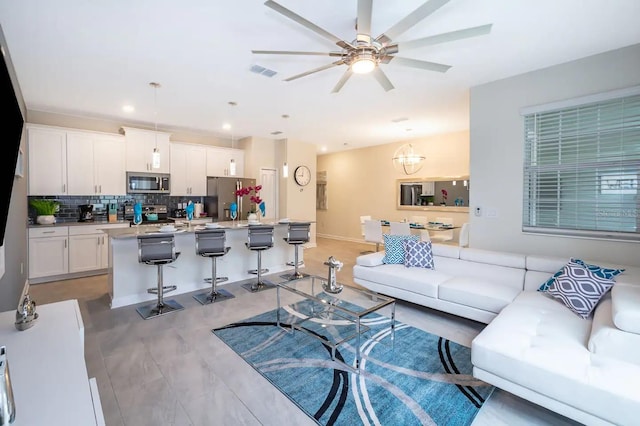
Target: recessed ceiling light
x=285 y=115
x=408 y=129
x=226 y=126
x=323 y=149
x=128 y=108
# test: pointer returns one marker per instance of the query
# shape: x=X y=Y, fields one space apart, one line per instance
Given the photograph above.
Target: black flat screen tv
x=10 y=136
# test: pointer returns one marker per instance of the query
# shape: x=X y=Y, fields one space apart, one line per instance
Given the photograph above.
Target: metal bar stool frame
x=297 y=234
x=211 y=243
x=158 y=250
x=260 y=238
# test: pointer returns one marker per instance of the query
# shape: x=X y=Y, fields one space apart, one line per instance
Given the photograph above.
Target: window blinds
x=581 y=170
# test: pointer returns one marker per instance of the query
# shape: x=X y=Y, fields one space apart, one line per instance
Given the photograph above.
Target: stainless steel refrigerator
x=410 y=194
x=221 y=192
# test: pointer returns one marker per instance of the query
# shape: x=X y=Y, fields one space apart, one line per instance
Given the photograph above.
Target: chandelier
x=407 y=160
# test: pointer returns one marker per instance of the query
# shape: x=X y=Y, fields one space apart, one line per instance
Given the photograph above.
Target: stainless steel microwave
x=144 y=183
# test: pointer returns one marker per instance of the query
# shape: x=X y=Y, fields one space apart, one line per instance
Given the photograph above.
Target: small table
x=343 y=311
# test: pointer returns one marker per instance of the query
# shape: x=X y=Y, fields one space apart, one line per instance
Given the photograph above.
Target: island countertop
x=134 y=231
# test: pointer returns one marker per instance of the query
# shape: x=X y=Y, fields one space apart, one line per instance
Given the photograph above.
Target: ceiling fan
x=365 y=53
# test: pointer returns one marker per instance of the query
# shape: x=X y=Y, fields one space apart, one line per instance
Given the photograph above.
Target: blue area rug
x=420 y=379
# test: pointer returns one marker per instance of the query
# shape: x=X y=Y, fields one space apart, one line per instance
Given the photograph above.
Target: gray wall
x=497 y=152
x=15 y=240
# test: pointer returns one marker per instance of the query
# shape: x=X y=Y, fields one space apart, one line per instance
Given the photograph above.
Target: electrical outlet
x=478 y=211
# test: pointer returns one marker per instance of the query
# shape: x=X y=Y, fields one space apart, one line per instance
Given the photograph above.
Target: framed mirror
x=425 y=193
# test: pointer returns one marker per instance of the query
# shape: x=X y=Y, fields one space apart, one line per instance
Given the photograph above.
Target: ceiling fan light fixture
x=364 y=63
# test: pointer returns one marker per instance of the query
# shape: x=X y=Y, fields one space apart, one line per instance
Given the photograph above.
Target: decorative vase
x=48 y=219
x=252 y=218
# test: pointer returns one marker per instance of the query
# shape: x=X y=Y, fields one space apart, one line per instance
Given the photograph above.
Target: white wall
x=497 y=152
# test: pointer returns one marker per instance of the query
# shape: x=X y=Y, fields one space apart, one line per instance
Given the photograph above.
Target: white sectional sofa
x=533 y=346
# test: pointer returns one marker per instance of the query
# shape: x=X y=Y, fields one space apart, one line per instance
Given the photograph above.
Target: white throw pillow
x=626 y=307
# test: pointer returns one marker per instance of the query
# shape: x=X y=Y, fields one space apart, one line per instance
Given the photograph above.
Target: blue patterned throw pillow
x=579 y=288
x=418 y=254
x=599 y=271
x=393 y=247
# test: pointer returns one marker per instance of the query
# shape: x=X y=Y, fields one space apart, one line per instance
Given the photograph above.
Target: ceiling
x=90 y=58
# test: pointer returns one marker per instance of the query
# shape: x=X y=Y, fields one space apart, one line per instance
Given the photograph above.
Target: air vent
x=399 y=119
x=277 y=132
x=262 y=70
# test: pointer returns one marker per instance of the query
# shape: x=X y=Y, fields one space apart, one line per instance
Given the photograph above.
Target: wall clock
x=302 y=175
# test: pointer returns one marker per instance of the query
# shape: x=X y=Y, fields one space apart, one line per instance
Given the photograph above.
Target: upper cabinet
x=47 y=160
x=140 y=145
x=95 y=164
x=75 y=162
x=219 y=160
x=188 y=169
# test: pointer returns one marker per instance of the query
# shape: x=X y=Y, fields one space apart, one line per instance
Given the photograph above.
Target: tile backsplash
x=69 y=211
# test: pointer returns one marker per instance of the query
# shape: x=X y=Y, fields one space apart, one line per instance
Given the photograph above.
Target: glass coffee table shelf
x=333 y=318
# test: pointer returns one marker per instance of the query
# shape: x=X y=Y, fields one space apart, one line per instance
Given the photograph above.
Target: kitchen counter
x=129 y=280
x=95 y=222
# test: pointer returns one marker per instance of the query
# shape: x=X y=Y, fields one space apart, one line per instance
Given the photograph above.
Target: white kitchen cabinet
x=218 y=160
x=140 y=144
x=48 y=251
x=428 y=188
x=95 y=164
x=188 y=169
x=89 y=247
x=47 y=160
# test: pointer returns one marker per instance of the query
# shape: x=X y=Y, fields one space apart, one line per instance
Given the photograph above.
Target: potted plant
x=45 y=211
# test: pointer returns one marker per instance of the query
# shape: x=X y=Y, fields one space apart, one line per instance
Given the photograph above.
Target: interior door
x=269 y=192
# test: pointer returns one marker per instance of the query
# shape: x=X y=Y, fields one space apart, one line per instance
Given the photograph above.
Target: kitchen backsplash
x=68 y=211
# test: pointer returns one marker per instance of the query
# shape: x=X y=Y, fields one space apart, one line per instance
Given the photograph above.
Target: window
x=582 y=166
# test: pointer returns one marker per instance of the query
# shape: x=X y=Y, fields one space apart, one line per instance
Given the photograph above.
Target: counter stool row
x=159 y=250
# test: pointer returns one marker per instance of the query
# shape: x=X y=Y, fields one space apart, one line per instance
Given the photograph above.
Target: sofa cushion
x=511 y=260
x=579 y=288
x=607 y=340
x=418 y=254
x=417 y=280
x=445 y=250
x=537 y=343
x=502 y=275
x=547 y=264
x=394 y=248
x=476 y=293
x=625 y=308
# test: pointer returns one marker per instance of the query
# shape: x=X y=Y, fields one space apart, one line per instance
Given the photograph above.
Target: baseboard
x=341 y=238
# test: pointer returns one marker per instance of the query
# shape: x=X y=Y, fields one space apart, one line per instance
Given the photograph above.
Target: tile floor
x=172 y=370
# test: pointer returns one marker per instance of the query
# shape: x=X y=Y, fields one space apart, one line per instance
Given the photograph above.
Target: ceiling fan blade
x=382 y=79
x=410 y=20
x=322 y=68
x=347 y=74
x=424 y=65
x=305 y=23
x=446 y=37
x=364 y=16
x=294 y=52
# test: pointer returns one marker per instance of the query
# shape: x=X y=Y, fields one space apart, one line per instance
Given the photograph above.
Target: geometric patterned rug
x=418 y=379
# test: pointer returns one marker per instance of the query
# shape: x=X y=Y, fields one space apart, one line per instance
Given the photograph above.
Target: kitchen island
x=129 y=280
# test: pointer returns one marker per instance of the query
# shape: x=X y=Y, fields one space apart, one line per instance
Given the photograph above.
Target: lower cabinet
x=56 y=251
x=48 y=251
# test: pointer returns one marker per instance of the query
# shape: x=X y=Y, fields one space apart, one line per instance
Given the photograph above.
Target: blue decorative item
x=459 y=202
x=233 y=211
x=189 y=210
x=263 y=209
x=137 y=213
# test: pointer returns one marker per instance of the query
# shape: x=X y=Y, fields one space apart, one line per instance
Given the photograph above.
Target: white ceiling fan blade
x=446 y=37
x=322 y=68
x=364 y=16
x=294 y=52
x=415 y=63
x=382 y=79
x=347 y=74
x=308 y=24
x=411 y=19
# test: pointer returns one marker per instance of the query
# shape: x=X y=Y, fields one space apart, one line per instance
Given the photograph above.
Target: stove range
x=157 y=213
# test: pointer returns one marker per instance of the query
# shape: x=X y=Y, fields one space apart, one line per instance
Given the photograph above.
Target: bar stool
x=298 y=233
x=158 y=250
x=211 y=243
x=260 y=239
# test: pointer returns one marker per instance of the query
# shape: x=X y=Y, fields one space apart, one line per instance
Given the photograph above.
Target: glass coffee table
x=333 y=318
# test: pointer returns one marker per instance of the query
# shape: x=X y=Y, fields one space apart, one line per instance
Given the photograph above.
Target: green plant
x=44 y=207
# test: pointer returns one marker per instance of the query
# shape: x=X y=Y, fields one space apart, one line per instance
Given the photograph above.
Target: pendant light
x=232 y=161
x=155 y=156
